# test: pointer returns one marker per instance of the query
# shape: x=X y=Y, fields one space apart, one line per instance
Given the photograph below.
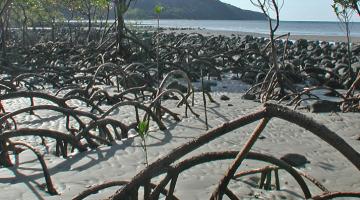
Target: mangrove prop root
x=277 y=184
x=173 y=171
x=238 y=160
x=269 y=111
x=95 y=189
x=44 y=133
x=331 y=195
x=50 y=187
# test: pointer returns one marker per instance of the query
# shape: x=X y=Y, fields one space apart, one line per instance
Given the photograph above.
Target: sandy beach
x=125 y=158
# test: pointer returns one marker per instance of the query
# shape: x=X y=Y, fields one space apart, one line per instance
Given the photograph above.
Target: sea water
x=258 y=26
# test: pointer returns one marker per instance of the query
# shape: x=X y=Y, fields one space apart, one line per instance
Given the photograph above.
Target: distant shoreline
x=323 y=31
x=354 y=39
x=176 y=19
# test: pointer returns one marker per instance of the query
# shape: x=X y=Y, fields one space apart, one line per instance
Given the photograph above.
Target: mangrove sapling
x=274 y=78
x=121 y=6
x=143 y=128
x=158 y=9
x=344 y=12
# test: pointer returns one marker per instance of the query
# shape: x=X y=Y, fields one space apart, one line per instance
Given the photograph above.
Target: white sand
x=125 y=159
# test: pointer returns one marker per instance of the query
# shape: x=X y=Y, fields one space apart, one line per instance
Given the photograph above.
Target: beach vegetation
x=121 y=7
x=344 y=10
x=143 y=128
x=355 y=6
x=274 y=78
x=158 y=9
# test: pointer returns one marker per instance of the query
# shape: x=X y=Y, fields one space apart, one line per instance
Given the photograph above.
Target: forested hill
x=190 y=9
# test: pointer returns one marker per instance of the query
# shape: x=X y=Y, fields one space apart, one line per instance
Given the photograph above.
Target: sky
x=298 y=10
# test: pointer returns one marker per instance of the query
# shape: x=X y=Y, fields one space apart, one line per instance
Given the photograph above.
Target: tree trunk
x=69 y=26
x=5 y=7
x=53 y=29
x=4 y=155
x=106 y=23
x=121 y=7
x=351 y=73
x=24 y=28
x=3 y=38
x=120 y=22
x=89 y=27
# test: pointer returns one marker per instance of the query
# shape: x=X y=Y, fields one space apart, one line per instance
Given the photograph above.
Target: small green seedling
x=158 y=9
x=143 y=128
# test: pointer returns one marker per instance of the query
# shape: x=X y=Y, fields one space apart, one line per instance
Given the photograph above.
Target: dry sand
x=125 y=159
x=292 y=37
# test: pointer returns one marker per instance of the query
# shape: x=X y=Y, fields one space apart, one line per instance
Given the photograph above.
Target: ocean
x=294 y=27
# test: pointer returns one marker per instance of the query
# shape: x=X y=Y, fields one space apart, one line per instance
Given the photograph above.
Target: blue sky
x=299 y=10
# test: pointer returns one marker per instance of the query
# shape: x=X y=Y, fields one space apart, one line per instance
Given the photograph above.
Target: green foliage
x=355 y=6
x=143 y=128
x=158 y=9
x=50 y=10
x=122 y=6
x=101 y=3
x=343 y=8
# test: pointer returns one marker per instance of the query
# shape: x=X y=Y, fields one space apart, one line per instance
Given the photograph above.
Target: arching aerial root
x=166 y=163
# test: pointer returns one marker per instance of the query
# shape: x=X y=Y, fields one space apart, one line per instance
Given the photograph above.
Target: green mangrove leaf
x=142 y=128
x=158 y=9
